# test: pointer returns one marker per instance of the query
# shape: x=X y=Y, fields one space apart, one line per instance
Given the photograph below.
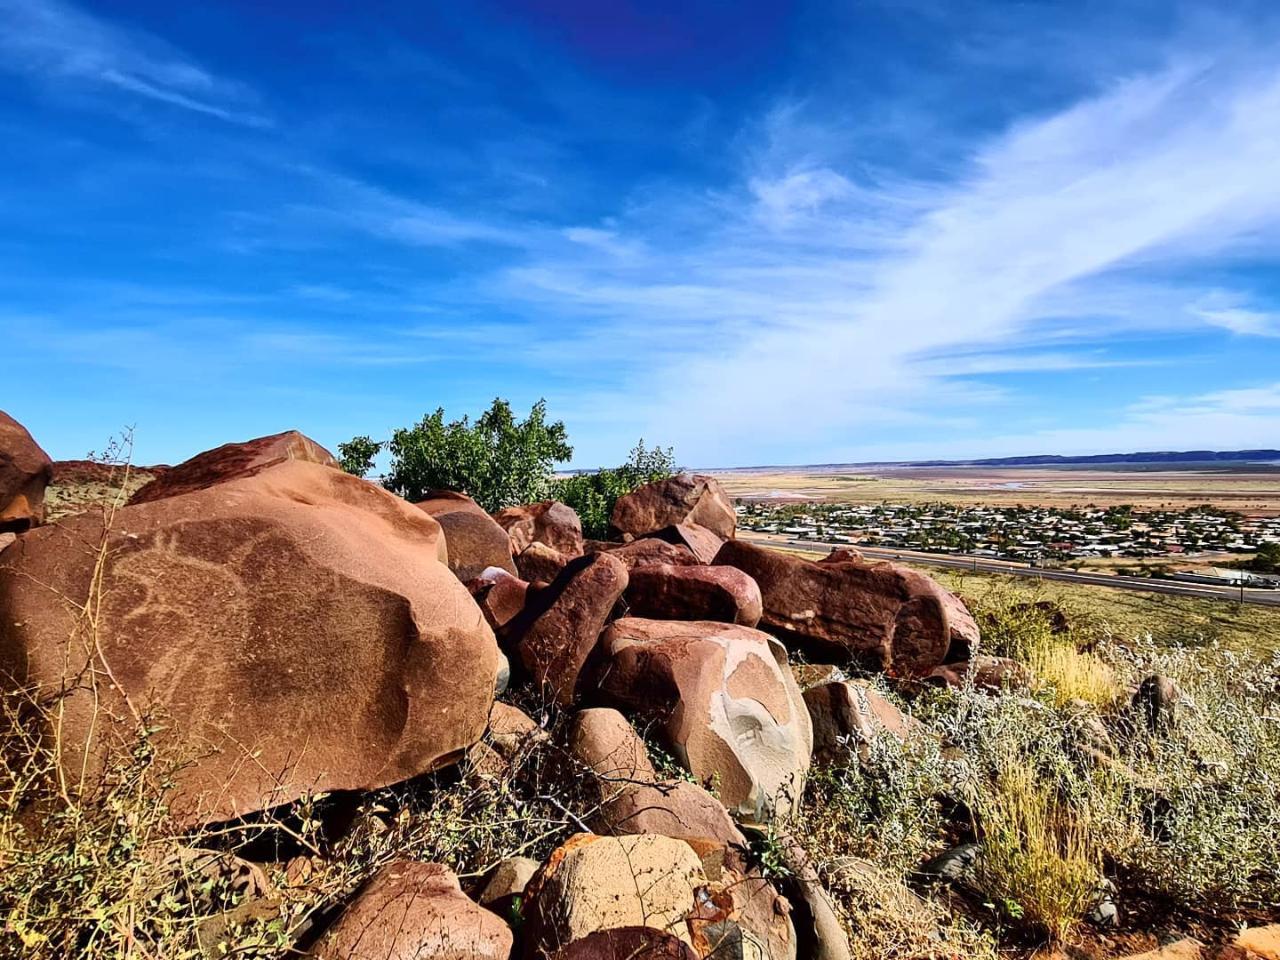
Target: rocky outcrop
x=666 y=592
x=475 y=542
x=560 y=626
x=233 y=461
x=292 y=626
x=725 y=701
x=650 y=550
x=414 y=911
x=550 y=522
x=848 y=716
x=887 y=617
x=25 y=471
x=682 y=499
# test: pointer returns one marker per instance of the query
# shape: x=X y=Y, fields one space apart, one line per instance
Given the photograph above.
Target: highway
x=1204 y=591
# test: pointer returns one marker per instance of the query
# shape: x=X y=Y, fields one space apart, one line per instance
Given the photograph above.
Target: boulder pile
x=295 y=630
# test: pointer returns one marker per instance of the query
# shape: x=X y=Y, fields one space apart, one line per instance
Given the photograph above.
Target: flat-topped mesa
x=683 y=499
x=292 y=627
x=232 y=460
x=882 y=615
x=25 y=471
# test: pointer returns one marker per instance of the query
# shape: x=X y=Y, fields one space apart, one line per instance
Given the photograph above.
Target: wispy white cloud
x=59 y=44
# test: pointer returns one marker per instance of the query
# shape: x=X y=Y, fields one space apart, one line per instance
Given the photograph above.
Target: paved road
x=1176 y=588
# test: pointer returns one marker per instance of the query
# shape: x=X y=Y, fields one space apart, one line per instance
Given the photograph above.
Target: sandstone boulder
x=594 y=883
x=292 y=627
x=538 y=563
x=684 y=498
x=627 y=943
x=666 y=592
x=848 y=716
x=233 y=461
x=414 y=911
x=604 y=740
x=474 y=540
x=505 y=883
x=25 y=471
x=882 y=615
x=651 y=550
x=500 y=595
x=550 y=522
x=704 y=544
x=561 y=625
x=667 y=808
x=726 y=703
x=992 y=674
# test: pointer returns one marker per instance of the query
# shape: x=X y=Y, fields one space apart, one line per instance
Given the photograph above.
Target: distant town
x=1028 y=534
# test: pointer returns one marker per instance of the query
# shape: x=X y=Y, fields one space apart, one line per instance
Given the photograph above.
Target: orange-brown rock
x=666 y=592
x=885 y=616
x=232 y=461
x=539 y=563
x=647 y=551
x=993 y=674
x=726 y=702
x=292 y=627
x=627 y=943
x=849 y=715
x=414 y=911
x=604 y=740
x=702 y=542
x=550 y=522
x=561 y=624
x=682 y=499
x=25 y=471
x=500 y=595
x=474 y=540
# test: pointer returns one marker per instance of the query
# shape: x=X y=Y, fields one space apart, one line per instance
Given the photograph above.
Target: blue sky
x=762 y=232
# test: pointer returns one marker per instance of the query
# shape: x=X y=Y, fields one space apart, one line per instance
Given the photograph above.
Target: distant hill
x=1153 y=456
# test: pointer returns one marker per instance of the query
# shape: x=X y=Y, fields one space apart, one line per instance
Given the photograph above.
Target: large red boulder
x=684 y=498
x=232 y=460
x=475 y=542
x=848 y=716
x=702 y=542
x=25 y=470
x=550 y=522
x=500 y=595
x=725 y=702
x=292 y=631
x=664 y=592
x=883 y=615
x=627 y=943
x=648 y=550
x=414 y=911
x=561 y=624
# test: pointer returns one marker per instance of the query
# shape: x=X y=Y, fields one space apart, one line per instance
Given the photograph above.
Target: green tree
x=593 y=495
x=1268 y=558
x=498 y=460
x=356 y=455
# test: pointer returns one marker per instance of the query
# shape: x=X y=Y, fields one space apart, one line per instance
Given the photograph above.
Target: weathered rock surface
x=500 y=595
x=505 y=883
x=549 y=521
x=992 y=674
x=885 y=616
x=667 y=808
x=474 y=540
x=415 y=911
x=1156 y=702
x=25 y=471
x=604 y=740
x=684 y=498
x=594 y=883
x=233 y=461
x=667 y=592
x=704 y=544
x=561 y=625
x=849 y=715
x=727 y=704
x=627 y=943
x=539 y=563
x=296 y=614
x=650 y=550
